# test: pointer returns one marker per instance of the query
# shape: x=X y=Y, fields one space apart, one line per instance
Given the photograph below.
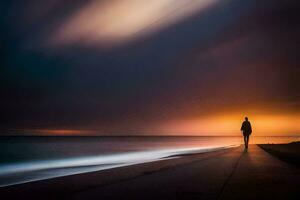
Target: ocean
x=31 y=158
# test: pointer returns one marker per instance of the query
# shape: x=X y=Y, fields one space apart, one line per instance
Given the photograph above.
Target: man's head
x=246 y=118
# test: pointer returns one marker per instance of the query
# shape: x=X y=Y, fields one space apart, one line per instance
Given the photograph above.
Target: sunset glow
x=159 y=67
x=263 y=125
x=217 y=125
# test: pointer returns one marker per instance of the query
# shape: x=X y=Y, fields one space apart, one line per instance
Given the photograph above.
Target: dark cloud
x=233 y=55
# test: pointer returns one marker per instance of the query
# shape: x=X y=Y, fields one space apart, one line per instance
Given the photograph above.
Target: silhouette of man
x=247 y=130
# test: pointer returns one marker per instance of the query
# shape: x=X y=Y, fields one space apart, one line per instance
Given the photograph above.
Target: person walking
x=247 y=130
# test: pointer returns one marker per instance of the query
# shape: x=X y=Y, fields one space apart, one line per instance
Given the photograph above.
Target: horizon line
x=132 y=135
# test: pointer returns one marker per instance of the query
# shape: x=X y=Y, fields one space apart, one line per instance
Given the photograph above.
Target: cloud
x=183 y=63
x=117 y=21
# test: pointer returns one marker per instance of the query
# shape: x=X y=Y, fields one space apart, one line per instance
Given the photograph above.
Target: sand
x=287 y=152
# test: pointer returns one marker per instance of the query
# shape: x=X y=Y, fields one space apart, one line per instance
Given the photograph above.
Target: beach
x=149 y=100
x=226 y=174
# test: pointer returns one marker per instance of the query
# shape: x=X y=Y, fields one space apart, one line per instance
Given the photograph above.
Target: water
x=25 y=159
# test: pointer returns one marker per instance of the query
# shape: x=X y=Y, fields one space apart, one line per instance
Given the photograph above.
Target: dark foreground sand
x=227 y=174
x=287 y=152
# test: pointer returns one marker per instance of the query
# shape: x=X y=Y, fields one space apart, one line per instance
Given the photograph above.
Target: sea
x=31 y=158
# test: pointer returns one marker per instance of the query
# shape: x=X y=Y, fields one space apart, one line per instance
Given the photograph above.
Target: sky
x=160 y=67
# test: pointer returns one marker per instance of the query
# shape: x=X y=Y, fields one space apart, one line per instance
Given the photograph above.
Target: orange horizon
x=217 y=125
x=263 y=125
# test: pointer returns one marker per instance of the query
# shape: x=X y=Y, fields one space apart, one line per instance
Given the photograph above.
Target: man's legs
x=245 y=141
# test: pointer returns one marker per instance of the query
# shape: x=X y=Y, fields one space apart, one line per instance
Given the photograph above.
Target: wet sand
x=227 y=174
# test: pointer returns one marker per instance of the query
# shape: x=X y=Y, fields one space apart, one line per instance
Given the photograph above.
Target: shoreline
x=226 y=174
x=26 y=172
x=79 y=182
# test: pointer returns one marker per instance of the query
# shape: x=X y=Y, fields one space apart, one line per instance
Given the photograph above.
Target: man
x=247 y=130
